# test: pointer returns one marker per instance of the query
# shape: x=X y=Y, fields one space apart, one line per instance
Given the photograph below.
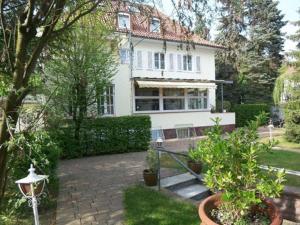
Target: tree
x=263 y=56
x=287 y=91
x=79 y=72
x=232 y=27
x=27 y=27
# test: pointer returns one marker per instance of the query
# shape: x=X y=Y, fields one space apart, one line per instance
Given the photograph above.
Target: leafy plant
x=194 y=155
x=234 y=170
x=151 y=160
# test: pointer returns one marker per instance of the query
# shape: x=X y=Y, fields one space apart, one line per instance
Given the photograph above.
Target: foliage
x=151 y=160
x=226 y=106
x=247 y=112
x=233 y=169
x=104 y=136
x=35 y=148
x=194 y=155
x=78 y=74
x=251 y=31
x=146 y=206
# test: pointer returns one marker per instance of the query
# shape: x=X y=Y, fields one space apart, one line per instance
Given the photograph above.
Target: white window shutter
x=150 y=63
x=139 y=60
x=171 y=62
x=179 y=62
x=198 y=66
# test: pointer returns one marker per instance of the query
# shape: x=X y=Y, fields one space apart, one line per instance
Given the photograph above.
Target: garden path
x=91 y=188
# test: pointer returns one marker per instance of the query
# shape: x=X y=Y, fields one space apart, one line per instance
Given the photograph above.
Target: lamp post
x=159 y=142
x=32 y=187
x=270 y=126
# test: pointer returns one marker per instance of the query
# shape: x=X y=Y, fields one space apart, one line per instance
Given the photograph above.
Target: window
x=124 y=56
x=106 y=102
x=173 y=99
x=187 y=62
x=159 y=61
x=155 y=25
x=197 y=99
x=171 y=62
x=146 y=99
x=123 y=20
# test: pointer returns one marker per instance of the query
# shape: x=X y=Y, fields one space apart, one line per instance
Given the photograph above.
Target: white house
x=166 y=73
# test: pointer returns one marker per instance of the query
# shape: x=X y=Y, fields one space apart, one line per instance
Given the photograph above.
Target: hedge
x=106 y=136
x=247 y=112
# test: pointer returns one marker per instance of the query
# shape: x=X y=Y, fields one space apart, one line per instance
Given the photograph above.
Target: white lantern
x=32 y=187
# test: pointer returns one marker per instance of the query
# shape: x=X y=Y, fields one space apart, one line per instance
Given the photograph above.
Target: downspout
x=131 y=70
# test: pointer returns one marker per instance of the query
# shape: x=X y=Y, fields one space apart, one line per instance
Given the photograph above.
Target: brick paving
x=91 y=188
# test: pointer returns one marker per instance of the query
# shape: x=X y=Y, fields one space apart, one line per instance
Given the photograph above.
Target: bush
x=234 y=170
x=105 y=136
x=36 y=148
x=246 y=112
x=226 y=106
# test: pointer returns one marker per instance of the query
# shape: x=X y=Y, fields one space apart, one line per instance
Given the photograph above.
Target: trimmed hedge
x=107 y=135
x=247 y=112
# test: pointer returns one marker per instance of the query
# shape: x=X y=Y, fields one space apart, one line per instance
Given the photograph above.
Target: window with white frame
x=106 y=102
x=124 y=21
x=197 y=99
x=187 y=62
x=173 y=99
x=155 y=25
x=124 y=56
x=146 y=99
x=159 y=60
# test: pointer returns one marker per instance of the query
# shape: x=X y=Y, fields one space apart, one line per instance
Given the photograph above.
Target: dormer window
x=124 y=21
x=155 y=25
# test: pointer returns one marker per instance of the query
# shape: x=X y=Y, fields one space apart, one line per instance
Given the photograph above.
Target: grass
x=283 y=143
x=146 y=206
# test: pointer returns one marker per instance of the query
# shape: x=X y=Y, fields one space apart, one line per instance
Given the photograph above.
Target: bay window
x=170 y=99
x=197 y=99
x=173 y=99
x=146 y=99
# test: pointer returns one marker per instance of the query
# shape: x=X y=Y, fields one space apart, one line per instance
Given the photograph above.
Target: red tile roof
x=171 y=30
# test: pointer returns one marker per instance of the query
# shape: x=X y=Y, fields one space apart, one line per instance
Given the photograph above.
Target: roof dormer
x=154 y=25
x=123 y=21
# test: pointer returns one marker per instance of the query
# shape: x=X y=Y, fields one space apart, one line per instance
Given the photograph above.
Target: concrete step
x=169 y=182
x=194 y=191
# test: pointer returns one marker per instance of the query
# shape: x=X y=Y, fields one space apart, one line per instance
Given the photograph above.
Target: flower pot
x=150 y=177
x=195 y=166
x=214 y=201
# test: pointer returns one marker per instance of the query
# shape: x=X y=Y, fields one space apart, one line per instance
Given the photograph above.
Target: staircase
x=186 y=186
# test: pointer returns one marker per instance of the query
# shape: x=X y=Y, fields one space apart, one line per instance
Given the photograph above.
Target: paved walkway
x=91 y=188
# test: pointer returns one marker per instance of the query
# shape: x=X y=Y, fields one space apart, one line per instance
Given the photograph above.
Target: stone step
x=170 y=182
x=194 y=191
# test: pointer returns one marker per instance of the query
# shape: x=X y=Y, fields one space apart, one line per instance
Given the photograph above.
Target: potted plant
x=242 y=188
x=194 y=161
x=150 y=174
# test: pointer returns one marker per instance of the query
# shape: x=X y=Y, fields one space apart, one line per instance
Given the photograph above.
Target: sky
x=288 y=7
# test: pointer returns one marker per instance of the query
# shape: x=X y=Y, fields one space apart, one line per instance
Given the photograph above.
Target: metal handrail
x=173 y=155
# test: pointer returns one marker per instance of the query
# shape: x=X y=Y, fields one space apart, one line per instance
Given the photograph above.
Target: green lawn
x=146 y=206
x=283 y=143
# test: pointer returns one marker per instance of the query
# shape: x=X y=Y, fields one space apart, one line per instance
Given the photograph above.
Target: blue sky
x=288 y=7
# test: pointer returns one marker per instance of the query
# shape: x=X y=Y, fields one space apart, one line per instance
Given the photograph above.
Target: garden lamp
x=270 y=126
x=32 y=187
x=159 y=142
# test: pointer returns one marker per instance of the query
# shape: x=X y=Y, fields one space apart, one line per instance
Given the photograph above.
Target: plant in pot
x=242 y=188
x=194 y=161
x=150 y=174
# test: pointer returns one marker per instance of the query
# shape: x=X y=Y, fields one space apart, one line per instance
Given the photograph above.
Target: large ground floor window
x=170 y=99
x=106 y=102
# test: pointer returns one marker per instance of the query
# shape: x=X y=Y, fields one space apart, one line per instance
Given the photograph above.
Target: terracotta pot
x=150 y=177
x=214 y=201
x=195 y=166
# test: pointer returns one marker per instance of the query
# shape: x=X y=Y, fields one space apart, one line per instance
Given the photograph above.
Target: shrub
x=246 y=112
x=105 y=136
x=36 y=148
x=151 y=160
x=226 y=106
x=234 y=170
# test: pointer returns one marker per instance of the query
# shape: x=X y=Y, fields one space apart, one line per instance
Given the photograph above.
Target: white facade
x=201 y=71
